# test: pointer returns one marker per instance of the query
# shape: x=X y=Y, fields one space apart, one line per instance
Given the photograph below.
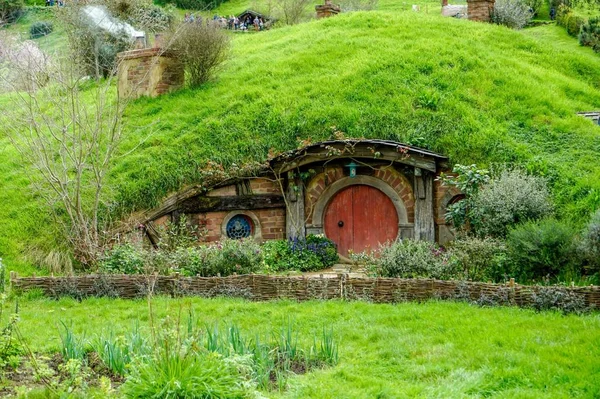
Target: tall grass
x=73 y=347
x=183 y=360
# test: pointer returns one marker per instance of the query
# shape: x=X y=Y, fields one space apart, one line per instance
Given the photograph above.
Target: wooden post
x=423 y=192
x=294 y=214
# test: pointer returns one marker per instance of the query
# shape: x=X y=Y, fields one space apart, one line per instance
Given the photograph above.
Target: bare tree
x=292 y=11
x=202 y=47
x=67 y=130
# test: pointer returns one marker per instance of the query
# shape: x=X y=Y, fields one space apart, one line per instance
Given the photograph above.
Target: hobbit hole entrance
x=359 y=218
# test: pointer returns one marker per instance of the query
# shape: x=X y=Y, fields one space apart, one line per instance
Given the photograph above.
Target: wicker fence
x=264 y=288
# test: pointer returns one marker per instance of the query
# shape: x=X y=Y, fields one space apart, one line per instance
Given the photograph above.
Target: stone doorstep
x=352 y=271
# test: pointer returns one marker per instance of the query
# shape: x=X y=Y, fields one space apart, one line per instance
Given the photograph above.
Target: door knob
x=341 y=223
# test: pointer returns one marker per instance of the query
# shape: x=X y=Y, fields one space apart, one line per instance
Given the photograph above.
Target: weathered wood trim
x=295 y=221
x=424 y=218
x=322 y=155
x=203 y=204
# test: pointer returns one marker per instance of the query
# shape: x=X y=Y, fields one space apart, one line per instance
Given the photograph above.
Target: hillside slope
x=475 y=92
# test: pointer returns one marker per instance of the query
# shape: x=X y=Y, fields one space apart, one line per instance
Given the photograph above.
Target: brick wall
x=148 y=72
x=271 y=223
x=264 y=186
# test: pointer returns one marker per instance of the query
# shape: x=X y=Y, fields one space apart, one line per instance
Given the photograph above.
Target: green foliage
x=176 y=372
x=10 y=11
x=10 y=347
x=73 y=347
x=534 y=5
x=590 y=243
x=202 y=48
x=40 y=28
x=2 y=276
x=492 y=206
x=94 y=49
x=589 y=34
x=314 y=253
x=480 y=259
x=142 y=14
x=192 y=4
x=468 y=179
x=412 y=259
x=117 y=352
x=542 y=250
x=569 y=20
x=123 y=258
x=507 y=200
x=224 y=258
x=514 y=14
x=558 y=298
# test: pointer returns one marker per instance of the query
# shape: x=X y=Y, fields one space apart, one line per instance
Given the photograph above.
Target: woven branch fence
x=264 y=288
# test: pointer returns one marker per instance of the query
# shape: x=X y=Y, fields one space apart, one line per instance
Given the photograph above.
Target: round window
x=239 y=226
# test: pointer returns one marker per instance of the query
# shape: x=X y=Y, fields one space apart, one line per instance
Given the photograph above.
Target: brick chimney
x=480 y=10
x=327 y=10
x=148 y=72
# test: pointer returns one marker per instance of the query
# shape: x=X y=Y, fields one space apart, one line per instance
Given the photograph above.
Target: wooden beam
x=230 y=203
x=321 y=155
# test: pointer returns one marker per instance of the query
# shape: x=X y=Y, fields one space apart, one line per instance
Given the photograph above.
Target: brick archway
x=318 y=215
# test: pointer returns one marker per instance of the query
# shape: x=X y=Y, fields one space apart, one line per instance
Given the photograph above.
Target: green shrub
x=514 y=14
x=542 y=250
x=237 y=256
x=480 y=259
x=179 y=372
x=202 y=49
x=590 y=243
x=10 y=10
x=571 y=22
x=507 y=200
x=468 y=179
x=314 y=253
x=40 y=28
x=534 y=5
x=491 y=206
x=589 y=34
x=558 y=298
x=224 y=258
x=123 y=258
x=415 y=259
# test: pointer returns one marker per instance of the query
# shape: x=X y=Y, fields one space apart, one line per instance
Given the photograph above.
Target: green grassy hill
x=476 y=92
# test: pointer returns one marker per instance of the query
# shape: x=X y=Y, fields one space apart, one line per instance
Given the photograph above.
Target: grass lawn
x=430 y=350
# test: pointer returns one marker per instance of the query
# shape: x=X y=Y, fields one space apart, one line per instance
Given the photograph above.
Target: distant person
x=261 y=24
x=236 y=23
x=256 y=26
x=552 y=13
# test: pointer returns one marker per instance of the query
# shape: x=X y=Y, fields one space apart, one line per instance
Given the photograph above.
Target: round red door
x=359 y=218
